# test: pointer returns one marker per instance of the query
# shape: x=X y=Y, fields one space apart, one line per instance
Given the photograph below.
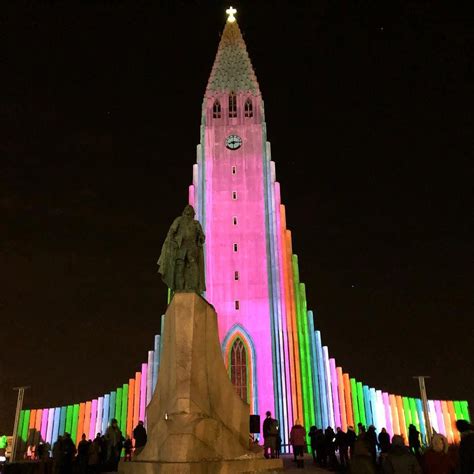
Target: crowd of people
x=102 y=454
x=366 y=452
x=361 y=452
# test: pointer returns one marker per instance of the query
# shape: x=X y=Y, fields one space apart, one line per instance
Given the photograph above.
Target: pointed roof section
x=232 y=70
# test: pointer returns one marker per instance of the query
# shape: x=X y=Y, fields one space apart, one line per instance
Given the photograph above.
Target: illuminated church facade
x=271 y=348
x=251 y=274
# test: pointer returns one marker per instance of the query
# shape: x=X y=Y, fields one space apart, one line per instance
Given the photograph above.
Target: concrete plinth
x=245 y=466
x=196 y=421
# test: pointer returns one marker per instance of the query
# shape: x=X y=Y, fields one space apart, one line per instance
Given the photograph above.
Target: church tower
x=250 y=272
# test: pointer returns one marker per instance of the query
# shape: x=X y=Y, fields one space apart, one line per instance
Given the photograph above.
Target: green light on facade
x=25 y=426
x=355 y=403
x=69 y=415
x=360 y=400
x=75 y=418
x=123 y=416
x=118 y=408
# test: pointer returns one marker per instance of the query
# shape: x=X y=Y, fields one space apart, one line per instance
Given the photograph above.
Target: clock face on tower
x=233 y=142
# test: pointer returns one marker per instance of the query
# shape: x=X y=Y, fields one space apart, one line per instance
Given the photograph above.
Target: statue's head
x=189 y=211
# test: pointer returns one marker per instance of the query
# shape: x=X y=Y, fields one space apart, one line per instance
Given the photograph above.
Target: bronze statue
x=182 y=257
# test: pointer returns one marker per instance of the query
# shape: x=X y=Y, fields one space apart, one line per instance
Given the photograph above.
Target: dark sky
x=369 y=112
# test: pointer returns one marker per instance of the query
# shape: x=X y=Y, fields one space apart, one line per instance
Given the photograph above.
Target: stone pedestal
x=196 y=421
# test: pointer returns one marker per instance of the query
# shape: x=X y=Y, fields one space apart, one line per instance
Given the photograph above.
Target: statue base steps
x=203 y=467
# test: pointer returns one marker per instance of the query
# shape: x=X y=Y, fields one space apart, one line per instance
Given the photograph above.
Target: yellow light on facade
x=231 y=12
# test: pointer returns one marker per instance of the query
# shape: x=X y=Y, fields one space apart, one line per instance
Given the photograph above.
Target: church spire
x=232 y=70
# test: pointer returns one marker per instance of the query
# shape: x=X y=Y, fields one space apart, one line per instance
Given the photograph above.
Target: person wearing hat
x=361 y=459
x=400 y=459
x=436 y=459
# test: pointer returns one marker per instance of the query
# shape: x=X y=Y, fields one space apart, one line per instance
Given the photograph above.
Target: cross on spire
x=231 y=11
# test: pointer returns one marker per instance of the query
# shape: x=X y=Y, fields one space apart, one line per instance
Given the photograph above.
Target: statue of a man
x=182 y=258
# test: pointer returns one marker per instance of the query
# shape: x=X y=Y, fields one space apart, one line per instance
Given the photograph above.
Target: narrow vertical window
x=248 y=109
x=232 y=105
x=235 y=248
x=234 y=220
x=234 y=170
x=216 y=109
x=234 y=195
x=238 y=368
x=236 y=275
x=236 y=304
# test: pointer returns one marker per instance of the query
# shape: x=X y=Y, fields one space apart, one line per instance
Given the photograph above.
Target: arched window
x=248 y=108
x=232 y=105
x=216 y=109
x=238 y=368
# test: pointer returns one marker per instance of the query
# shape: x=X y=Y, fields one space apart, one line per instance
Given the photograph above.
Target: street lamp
x=424 y=402
x=19 y=406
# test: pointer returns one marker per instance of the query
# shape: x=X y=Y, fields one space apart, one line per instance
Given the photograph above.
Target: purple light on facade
x=388 y=413
x=439 y=417
x=335 y=393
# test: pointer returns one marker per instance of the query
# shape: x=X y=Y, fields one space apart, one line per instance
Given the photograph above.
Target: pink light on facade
x=439 y=417
x=382 y=413
x=388 y=413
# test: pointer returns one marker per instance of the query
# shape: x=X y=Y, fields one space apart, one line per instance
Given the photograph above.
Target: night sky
x=369 y=107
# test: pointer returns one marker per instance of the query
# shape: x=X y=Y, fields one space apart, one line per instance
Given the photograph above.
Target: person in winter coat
x=384 y=441
x=361 y=459
x=57 y=455
x=313 y=438
x=128 y=446
x=94 y=454
x=68 y=451
x=436 y=459
x=399 y=459
x=83 y=454
x=351 y=439
x=371 y=440
x=329 y=436
x=414 y=440
x=298 y=441
x=321 y=453
x=140 y=436
x=278 y=445
x=466 y=447
x=270 y=433
x=320 y=447
x=114 y=439
x=341 y=445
